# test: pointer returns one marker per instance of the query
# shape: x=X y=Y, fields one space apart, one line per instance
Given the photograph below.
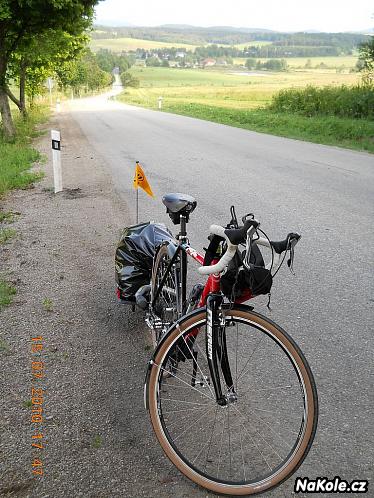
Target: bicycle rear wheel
x=256 y=441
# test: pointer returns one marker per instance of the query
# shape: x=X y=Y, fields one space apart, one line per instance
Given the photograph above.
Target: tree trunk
x=22 y=84
x=7 y=121
x=6 y=116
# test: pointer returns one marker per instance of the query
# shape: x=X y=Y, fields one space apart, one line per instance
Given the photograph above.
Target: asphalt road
x=324 y=193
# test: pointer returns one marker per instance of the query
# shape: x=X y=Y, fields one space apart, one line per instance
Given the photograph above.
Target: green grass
x=126 y=44
x=6 y=234
x=351 y=133
x=97 y=442
x=17 y=157
x=7 y=216
x=47 y=304
x=332 y=63
x=342 y=101
x=241 y=100
x=165 y=78
x=7 y=292
x=221 y=88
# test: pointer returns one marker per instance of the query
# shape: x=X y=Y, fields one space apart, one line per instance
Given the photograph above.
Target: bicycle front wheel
x=263 y=433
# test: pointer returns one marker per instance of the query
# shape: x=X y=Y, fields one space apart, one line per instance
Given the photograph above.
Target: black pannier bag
x=238 y=279
x=134 y=256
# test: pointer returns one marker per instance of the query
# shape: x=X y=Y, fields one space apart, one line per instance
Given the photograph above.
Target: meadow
x=222 y=88
x=333 y=63
x=127 y=44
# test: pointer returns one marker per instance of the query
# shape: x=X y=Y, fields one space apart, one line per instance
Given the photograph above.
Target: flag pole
x=137 y=193
x=137 y=205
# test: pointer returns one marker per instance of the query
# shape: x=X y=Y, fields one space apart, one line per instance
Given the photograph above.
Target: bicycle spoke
x=198 y=366
x=210 y=439
x=228 y=425
x=253 y=352
x=181 y=380
x=263 y=456
x=194 y=422
x=261 y=436
x=243 y=460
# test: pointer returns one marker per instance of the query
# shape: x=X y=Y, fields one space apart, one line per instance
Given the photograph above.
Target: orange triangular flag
x=140 y=180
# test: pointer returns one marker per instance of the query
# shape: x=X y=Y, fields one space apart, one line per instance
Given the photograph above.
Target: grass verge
x=350 y=133
x=7 y=292
x=17 y=157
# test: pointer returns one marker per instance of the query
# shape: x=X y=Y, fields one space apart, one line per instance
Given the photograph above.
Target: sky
x=278 y=15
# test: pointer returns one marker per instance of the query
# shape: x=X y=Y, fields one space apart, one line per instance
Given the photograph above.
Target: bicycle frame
x=211 y=298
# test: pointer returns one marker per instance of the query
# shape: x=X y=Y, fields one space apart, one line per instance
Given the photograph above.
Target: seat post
x=183 y=229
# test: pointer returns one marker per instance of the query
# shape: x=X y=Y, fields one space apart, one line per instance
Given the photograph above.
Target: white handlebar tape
x=226 y=258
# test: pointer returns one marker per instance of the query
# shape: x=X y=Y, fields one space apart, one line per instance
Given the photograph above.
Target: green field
x=332 y=63
x=239 y=90
x=126 y=44
x=253 y=43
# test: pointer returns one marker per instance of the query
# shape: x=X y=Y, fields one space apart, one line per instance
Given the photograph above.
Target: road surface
x=325 y=193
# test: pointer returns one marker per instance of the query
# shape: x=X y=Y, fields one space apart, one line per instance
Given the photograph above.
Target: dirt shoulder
x=97 y=440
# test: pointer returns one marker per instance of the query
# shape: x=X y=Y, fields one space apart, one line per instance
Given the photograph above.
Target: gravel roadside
x=97 y=440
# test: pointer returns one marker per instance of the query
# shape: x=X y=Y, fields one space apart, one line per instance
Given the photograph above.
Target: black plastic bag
x=134 y=256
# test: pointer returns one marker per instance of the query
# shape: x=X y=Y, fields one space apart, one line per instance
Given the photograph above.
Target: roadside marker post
x=160 y=99
x=56 y=158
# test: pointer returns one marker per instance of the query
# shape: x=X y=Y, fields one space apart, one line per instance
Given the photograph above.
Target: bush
x=250 y=63
x=343 y=101
x=128 y=79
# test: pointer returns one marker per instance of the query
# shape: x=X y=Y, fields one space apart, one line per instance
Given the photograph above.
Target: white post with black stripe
x=56 y=157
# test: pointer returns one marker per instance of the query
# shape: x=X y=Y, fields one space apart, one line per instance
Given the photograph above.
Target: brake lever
x=291 y=246
x=248 y=216
x=250 y=233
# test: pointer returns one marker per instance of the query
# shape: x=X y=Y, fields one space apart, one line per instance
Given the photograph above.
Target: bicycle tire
x=158 y=405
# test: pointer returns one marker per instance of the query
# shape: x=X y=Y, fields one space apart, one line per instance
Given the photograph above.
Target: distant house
x=208 y=62
x=180 y=54
x=140 y=62
x=221 y=62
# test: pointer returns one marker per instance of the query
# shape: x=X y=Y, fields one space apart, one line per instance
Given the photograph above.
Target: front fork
x=216 y=349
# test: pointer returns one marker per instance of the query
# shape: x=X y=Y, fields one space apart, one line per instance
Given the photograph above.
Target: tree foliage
x=366 y=60
x=83 y=73
x=127 y=79
x=108 y=60
x=21 y=22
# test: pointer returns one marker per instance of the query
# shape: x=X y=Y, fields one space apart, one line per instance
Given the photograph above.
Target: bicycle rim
x=254 y=443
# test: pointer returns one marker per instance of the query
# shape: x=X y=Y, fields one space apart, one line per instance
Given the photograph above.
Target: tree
x=250 y=63
x=153 y=61
x=108 y=60
x=128 y=79
x=83 y=72
x=37 y=59
x=20 y=21
x=366 y=59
